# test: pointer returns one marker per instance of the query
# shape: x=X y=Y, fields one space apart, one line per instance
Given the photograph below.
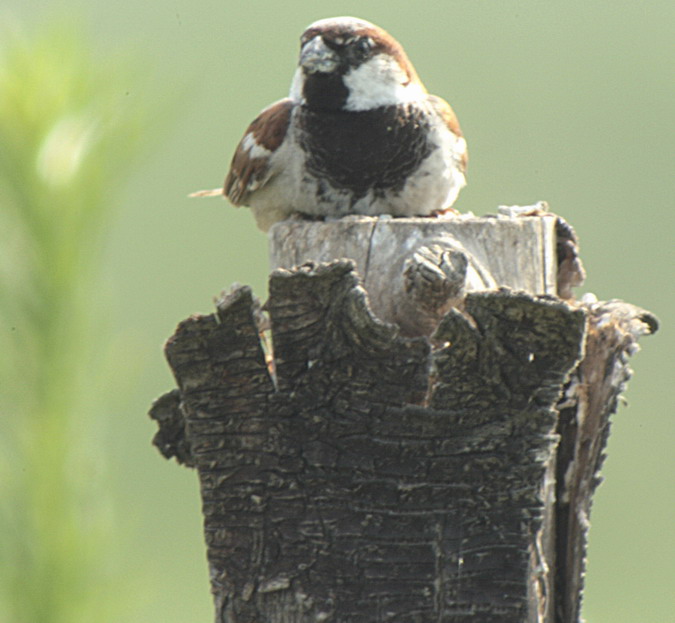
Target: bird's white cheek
x=380 y=82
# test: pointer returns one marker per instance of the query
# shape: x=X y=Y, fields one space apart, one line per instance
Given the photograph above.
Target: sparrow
x=358 y=134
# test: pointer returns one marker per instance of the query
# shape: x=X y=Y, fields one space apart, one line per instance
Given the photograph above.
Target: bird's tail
x=207 y=193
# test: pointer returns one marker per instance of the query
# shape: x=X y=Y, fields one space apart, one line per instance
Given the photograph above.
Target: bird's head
x=349 y=64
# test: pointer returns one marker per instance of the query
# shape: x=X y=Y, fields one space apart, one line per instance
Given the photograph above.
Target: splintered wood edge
x=590 y=400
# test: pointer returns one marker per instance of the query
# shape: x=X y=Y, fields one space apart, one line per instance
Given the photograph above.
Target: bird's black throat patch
x=371 y=149
x=325 y=91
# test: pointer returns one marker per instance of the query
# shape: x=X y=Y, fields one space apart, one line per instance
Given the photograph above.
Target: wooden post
x=435 y=467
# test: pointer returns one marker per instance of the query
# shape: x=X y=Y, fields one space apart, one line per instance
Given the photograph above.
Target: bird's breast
x=364 y=150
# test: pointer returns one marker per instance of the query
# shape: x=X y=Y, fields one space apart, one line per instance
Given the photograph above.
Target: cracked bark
x=366 y=476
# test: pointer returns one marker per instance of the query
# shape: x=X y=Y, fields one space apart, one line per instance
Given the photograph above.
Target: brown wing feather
x=246 y=175
x=248 y=172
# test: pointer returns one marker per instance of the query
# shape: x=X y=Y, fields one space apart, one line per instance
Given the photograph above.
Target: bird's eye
x=364 y=44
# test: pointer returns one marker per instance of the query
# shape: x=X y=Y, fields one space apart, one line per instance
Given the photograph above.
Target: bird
x=357 y=134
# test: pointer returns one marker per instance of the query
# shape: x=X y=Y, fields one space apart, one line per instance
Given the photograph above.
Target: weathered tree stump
x=356 y=474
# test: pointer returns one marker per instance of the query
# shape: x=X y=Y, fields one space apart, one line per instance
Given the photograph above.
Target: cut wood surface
x=415 y=269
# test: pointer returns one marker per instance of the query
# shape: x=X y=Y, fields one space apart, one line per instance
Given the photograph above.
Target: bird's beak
x=317 y=56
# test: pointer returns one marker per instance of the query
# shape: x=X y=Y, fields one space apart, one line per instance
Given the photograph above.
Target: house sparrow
x=358 y=134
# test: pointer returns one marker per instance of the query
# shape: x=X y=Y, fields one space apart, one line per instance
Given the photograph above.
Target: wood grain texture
x=516 y=252
x=590 y=398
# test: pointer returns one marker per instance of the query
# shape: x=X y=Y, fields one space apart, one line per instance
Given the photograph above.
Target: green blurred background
x=572 y=102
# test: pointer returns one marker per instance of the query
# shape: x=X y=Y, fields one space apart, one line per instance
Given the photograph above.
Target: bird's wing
x=251 y=164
